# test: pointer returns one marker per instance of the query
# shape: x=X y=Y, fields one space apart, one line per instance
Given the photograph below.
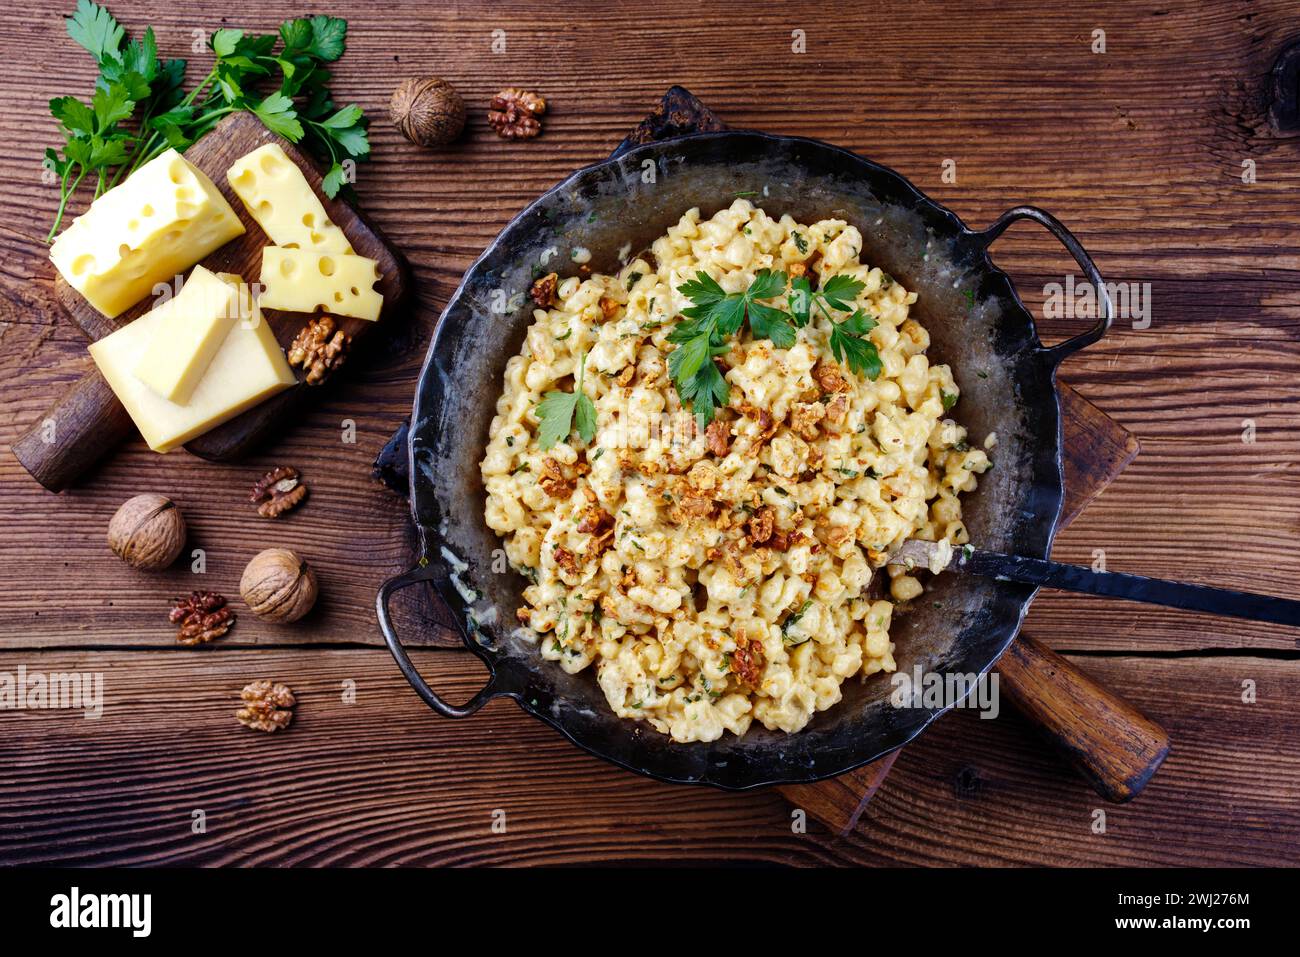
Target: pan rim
x=429 y=539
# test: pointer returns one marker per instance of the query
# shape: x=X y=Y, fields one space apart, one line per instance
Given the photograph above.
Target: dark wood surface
x=1138 y=150
x=1112 y=743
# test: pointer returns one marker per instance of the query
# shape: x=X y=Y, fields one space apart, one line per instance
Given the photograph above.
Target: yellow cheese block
x=299 y=280
x=248 y=368
x=190 y=329
x=160 y=222
x=277 y=195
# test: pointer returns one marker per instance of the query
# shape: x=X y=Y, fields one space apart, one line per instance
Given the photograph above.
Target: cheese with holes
x=299 y=280
x=277 y=195
x=248 y=368
x=189 y=330
x=151 y=228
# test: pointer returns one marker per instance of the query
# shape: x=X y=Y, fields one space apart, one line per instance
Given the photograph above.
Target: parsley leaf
x=111 y=105
x=689 y=357
x=840 y=291
x=276 y=111
x=766 y=285
x=557 y=411
x=704 y=391
x=135 y=87
x=859 y=354
x=768 y=322
x=94 y=28
x=714 y=316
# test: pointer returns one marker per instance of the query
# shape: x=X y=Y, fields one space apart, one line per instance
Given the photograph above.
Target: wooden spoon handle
x=75 y=433
x=1115 y=746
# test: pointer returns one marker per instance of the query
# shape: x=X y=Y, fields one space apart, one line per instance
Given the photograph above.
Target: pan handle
x=438 y=578
x=1055 y=355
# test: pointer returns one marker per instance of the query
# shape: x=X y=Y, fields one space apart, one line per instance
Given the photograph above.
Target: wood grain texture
x=1139 y=151
x=384 y=782
x=84 y=425
x=1116 y=747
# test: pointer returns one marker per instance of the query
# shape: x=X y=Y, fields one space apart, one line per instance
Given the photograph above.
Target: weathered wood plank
x=383 y=781
x=1139 y=151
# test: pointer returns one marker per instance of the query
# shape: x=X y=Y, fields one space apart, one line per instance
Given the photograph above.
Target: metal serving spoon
x=916 y=553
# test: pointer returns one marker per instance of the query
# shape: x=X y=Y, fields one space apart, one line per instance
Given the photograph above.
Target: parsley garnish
x=848 y=346
x=135 y=85
x=791 y=620
x=949 y=399
x=557 y=410
x=714 y=318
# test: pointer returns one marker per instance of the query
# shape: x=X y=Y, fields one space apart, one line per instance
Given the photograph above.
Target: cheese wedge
x=247 y=369
x=151 y=228
x=191 y=328
x=299 y=280
x=278 y=196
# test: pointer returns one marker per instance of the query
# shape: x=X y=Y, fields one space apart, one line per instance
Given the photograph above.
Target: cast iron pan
x=1007 y=380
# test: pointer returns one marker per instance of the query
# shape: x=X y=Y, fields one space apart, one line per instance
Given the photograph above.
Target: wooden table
x=1140 y=150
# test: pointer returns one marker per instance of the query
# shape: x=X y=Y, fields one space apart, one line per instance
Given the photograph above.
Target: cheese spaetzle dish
x=703 y=463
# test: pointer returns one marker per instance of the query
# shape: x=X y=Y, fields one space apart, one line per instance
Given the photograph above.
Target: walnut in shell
x=278 y=586
x=147 y=532
x=427 y=110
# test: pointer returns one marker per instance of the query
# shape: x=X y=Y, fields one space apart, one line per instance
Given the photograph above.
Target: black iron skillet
x=1005 y=373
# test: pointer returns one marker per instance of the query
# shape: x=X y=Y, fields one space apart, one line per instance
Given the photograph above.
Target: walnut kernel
x=278 y=491
x=514 y=113
x=319 y=349
x=266 y=706
x=203 y=616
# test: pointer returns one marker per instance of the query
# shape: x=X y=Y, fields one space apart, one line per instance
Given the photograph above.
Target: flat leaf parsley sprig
x=557 y=411
x=715 y=316
x=139 y=110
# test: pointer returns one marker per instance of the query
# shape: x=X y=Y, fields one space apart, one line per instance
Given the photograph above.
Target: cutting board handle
x=1115 y=746
x=75 y=433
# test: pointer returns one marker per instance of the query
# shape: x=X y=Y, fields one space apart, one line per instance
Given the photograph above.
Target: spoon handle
x=1153 y=591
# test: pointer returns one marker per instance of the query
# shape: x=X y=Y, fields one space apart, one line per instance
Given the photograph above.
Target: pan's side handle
x=436 y=577
x=1115 y=746
x=1054 y=355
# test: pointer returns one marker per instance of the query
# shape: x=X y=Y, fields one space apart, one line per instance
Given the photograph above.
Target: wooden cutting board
x=88 y=421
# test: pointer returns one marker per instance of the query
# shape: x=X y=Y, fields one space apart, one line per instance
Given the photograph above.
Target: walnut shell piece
x=278 y=586
x=147 y=532
x=514 y=113
x=267 y=706
x=427 y=110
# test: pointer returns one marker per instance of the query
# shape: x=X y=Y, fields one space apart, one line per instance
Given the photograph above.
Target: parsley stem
x=65 y=193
